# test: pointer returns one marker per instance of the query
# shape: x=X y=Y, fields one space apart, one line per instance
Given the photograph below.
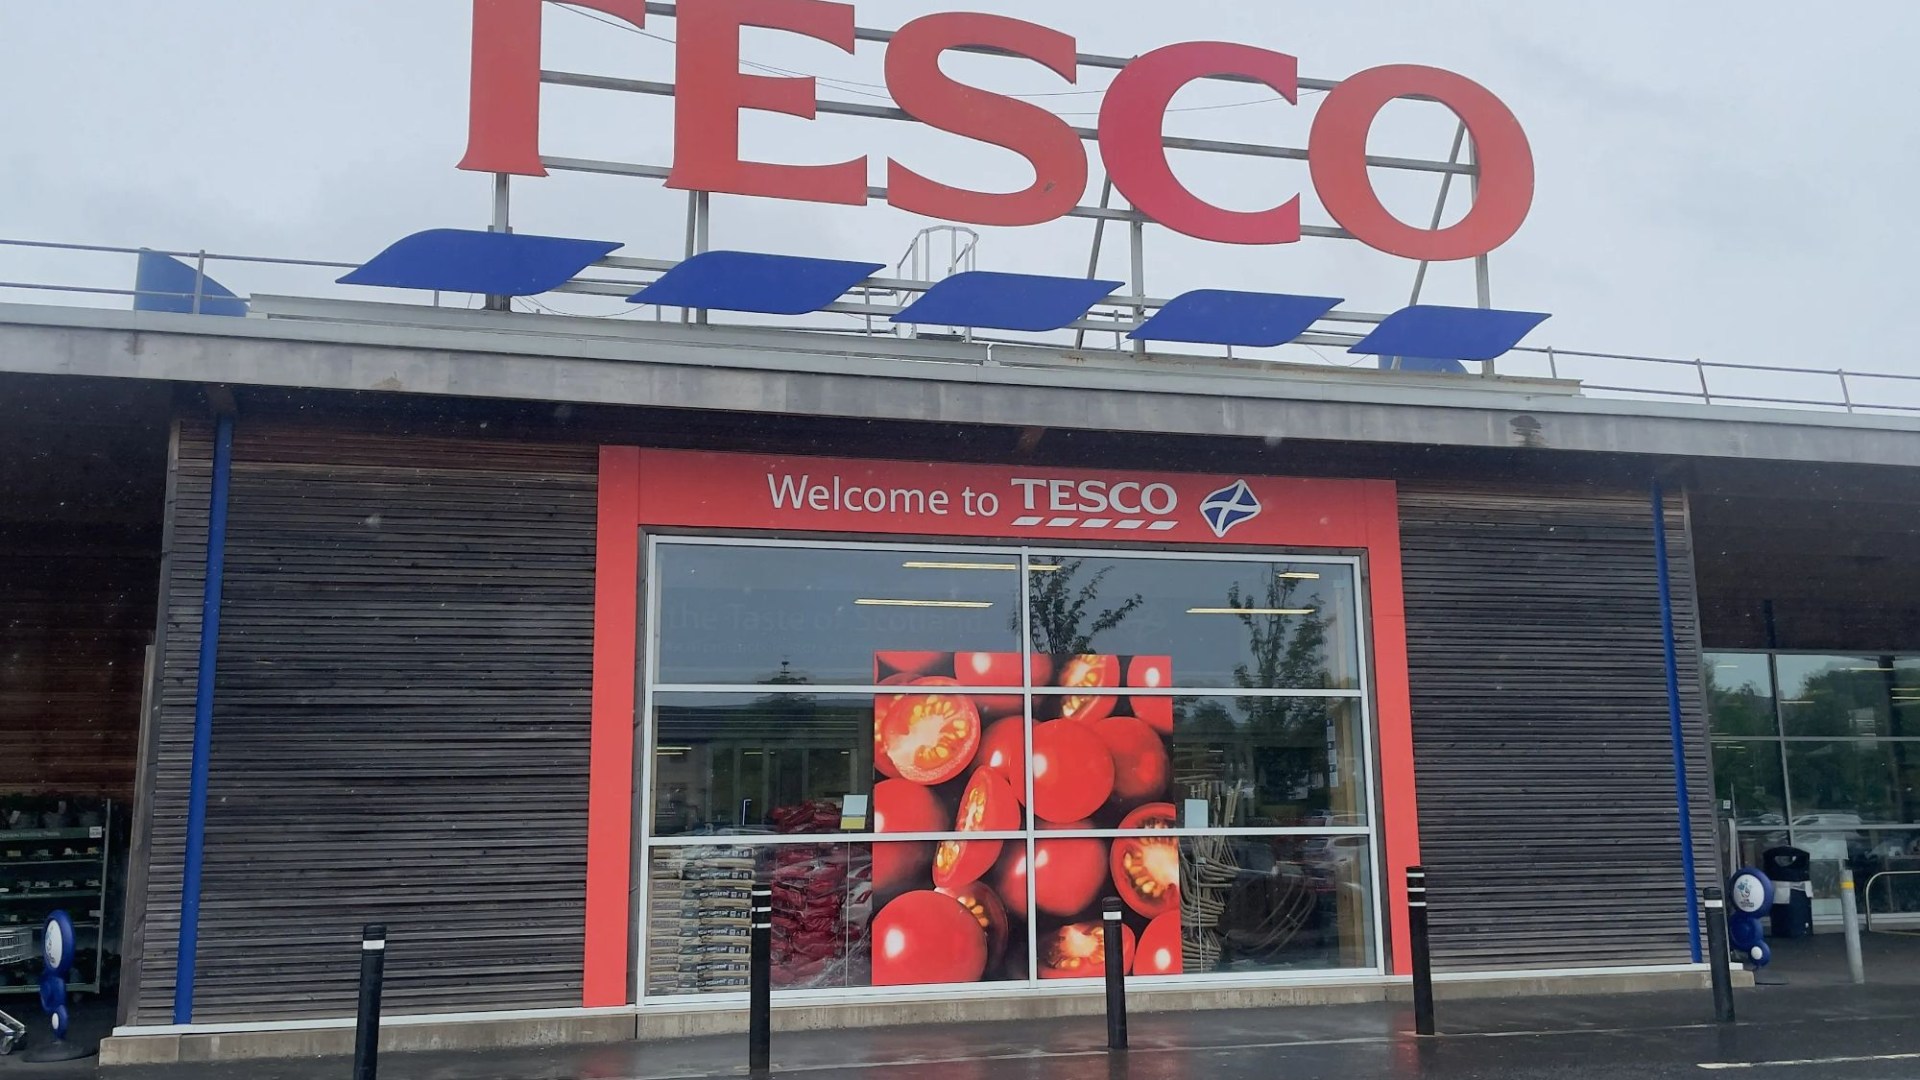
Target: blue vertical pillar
x=1673 y=717
x=203 y=722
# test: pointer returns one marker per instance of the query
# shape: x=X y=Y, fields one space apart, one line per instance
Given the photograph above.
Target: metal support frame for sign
x=502 y=223
x=1119 y=315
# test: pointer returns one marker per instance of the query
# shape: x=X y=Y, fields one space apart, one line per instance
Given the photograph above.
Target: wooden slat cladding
x=400 y=729
x=154 y=935
x=1541 y=727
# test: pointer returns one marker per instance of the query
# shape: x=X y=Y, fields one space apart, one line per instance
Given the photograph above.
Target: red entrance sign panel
x=641 y=489
x=1031 y=504
x=712 y=93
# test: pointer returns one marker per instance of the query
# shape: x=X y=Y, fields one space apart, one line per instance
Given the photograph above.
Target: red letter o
x=1338 y=155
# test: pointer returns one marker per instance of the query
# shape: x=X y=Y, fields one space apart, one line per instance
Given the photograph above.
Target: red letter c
x=1338 y=154
x=1133 y=131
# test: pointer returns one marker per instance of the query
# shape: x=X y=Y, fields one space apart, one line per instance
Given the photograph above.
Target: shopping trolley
x=16 y=947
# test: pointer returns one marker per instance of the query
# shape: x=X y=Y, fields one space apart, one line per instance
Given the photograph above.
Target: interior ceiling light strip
x=1250 y=611
x=1036 y=567
x=965 y=605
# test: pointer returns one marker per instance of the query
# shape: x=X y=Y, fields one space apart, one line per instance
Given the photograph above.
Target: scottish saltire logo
x=1229 y=507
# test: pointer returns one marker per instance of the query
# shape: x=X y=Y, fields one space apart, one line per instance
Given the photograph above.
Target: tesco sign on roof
x=711 y=92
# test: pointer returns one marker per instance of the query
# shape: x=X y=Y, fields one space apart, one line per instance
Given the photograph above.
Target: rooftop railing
x=1600 y=374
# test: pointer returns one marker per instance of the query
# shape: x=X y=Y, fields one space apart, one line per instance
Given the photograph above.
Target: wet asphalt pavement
x=1785 y=1033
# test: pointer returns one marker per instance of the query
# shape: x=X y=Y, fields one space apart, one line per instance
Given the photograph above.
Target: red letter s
x=1133 y=139
x=712 y=91
x=503 y=116
x=1046 y=141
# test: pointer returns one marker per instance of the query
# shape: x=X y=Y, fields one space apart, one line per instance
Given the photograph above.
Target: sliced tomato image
x=924 y=938
x=882 y=703
x=1159 y=952
x=991 y=913
x=1140 y=766
x=902 y=864
x=912 y=663
x=1072 y=771
x=1146 y=869
x=1009 y=878
x=1004 y=749
x=1088 y=673
x=931 y=738
x=1079 y=951
x=903 y=807
x=1068 y=874
x=1003 y=670
x=988 y=805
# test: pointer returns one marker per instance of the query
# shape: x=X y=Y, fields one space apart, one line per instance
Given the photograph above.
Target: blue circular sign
x=1750 y=891
x=56 y=945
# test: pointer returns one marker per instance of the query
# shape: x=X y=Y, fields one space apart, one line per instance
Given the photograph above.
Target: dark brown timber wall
x=1542 y=746
x=400 y=732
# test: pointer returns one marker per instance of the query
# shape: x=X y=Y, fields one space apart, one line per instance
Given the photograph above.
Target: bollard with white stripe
x=1114 y=946
x=366 y=1036
x=760 y=985
x=1718 y=954
x=1422 y=960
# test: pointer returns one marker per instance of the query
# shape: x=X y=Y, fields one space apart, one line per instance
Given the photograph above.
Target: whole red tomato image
x=1079 y=951
x=987 y=805
x=902 y=864
x=1068 y=874
x=1140 y=767
x=1088 y=673
x=1072 y=771
x=1009 y=878
x=1003 y=670
x=991 y=913
x=931 y=738
x=1159 y=952
x=1146 y=869
x=1004 y=749
x=924 y=938
x=1150 y=672
x=902 y=807
x=1156 y=711
x=911 y=663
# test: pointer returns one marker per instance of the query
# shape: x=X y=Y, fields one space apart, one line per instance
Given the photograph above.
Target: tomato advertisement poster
x=952 y=768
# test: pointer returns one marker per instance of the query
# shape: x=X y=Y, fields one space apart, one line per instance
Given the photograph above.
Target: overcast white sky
x=1719 y=179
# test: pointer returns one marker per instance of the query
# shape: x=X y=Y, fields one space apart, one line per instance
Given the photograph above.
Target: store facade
x=832 y=696
x=543 y=702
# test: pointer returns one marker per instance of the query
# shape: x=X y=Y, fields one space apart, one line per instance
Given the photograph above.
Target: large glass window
x=944 y=759
x=1822 y=752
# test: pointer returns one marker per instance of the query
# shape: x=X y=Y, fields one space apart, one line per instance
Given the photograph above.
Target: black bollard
x=1422 y=960
x=366 y=1037
x=760 y=985
x=1717 y=953
x=1115 y=948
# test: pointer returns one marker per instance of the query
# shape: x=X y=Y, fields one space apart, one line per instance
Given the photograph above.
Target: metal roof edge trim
x=918 y=360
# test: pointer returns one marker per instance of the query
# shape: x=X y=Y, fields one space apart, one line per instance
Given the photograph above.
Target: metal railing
x=1867 y=893
x=1708 y=382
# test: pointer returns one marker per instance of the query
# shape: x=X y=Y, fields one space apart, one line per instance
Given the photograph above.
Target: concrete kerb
x=653 y=1026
